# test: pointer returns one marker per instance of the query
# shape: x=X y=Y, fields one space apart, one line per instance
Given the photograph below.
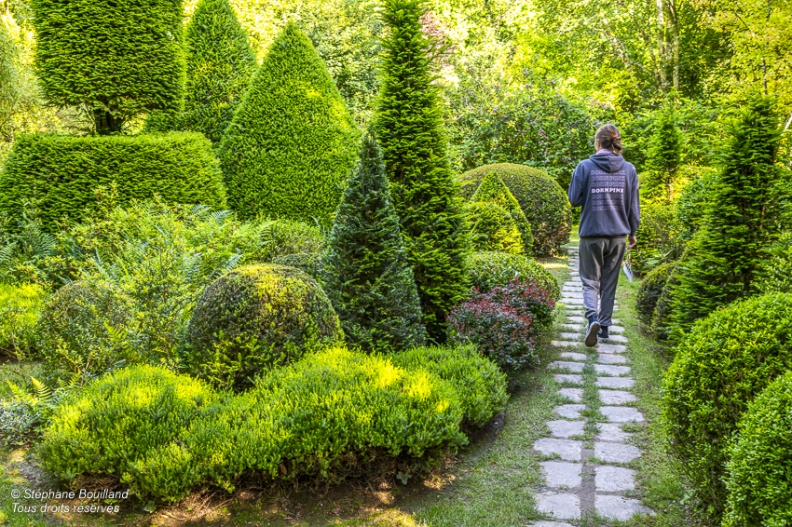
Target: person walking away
x=606 y=186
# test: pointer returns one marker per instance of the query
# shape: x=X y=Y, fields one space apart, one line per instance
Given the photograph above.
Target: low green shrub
x=20 y=308
x=165 y=434
x=60 y=174
x=255 y=318
x=661 y=317
x=720 y=366
x=541 y=198
x=491 y=228
x=759 y=470
x=491 y=269
x=309 y=263
x=650 y=290
x=480 y=385
x=77 y=332
x=658 y=237
x=285 y=237
x=117 y=421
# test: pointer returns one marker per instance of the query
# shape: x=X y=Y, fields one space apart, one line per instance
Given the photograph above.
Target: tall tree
x=291 y=143
x=8 y=86
x=410 y=127
x=114 y=58
x=365 y=269
x=742 y=220
x=664 y=156
x=220 y=64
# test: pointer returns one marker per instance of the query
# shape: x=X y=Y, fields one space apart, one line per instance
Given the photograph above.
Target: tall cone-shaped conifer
x=292 y=142
x=410 y=129
x=494 y=190
x=741 y=222
x=220 y=64
x=366 y=272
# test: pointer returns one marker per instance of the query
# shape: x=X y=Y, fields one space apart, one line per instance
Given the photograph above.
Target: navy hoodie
x=606 y=186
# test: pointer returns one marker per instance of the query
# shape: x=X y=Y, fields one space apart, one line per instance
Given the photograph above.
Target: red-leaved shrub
x=503 y=323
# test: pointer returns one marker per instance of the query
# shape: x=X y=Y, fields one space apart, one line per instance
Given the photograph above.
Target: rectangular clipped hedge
x=59 y=174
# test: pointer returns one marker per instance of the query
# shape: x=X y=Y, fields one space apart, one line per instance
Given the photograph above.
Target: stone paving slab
x=551 y=524
x=572 y=367
x=566 y=343
x=570 y=336
x=618 y=330
x=577 y=319
x=616 y=397
x=569 y=411
x=615 y=452
x=621 y=414
x=611 y=371
x=615 y=339
x=612 y=432
x=566 y=449
x=611 y=358
x=561 y=505
x=572 y=327
x=566 y=429
x=573 y=394
x=613 y=479
x=571 y=379
x=611 y=348
x=619 y=508
x=577 y=357
x=618 y=383
x=562 y=474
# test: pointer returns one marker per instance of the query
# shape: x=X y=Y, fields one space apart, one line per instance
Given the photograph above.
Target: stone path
x=586 y=458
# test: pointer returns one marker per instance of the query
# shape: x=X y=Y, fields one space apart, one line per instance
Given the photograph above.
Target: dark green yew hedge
x=60 y=174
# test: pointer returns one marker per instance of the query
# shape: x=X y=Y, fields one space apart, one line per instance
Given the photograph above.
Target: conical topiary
x=493 y=190
x=410 y=129
x=366 y=272
x=220 y=64
x=292 y=141
x=741 y=223
x=664 y=157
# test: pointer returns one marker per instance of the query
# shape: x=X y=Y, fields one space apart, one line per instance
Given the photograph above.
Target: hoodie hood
x=608 y=161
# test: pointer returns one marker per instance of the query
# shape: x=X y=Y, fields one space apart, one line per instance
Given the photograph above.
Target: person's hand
x=633 y=240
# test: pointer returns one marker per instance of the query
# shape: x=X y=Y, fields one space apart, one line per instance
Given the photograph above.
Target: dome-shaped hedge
x=650 y=290
x=491 y=269
x=258 y=317
x=760 y=466
x=721 y=365
x=542 y=199
x=72 y=335
x=491 y=228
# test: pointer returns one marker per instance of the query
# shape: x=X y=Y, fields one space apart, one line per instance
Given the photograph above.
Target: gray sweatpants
x=600 y=263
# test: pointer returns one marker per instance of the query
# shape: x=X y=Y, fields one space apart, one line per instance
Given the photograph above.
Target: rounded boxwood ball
x=541 y=198
x=255 y=318
x=760 y=466
x=490 y=269
x=727 y=359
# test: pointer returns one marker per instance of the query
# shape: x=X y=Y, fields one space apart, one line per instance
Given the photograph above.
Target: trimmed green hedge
x=60 y=174
x=493 y=190
x=120 y=57
x=650 y=290
x=255 y=318
x=491 y=269
x=760 y=466
x=721 y=365
x=542 y=199
x=490 y=227
x=292 y=142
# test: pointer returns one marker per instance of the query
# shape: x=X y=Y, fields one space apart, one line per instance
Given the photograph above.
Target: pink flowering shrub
x=503 y=323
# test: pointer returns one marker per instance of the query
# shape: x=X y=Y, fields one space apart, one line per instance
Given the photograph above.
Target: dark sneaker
x=603 y=332
x=591 y=332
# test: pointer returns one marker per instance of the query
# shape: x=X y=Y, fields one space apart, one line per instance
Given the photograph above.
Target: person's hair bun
x=608 y=137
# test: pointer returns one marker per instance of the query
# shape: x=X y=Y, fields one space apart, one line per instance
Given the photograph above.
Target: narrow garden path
x=587 y=468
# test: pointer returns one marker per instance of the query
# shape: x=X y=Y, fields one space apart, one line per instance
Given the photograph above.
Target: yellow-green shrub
x=720 y=366
x=759 y=470
x=20 y=308
x=119 y=420
x=255 y=318
x=491 y=228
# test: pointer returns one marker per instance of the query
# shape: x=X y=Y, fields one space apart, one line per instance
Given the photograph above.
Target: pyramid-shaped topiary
x=742 y=220
x=220 y=64
x=292 y=142
x=366 y=272
x=493 y=190
x=410 y=129
x=118 y=58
